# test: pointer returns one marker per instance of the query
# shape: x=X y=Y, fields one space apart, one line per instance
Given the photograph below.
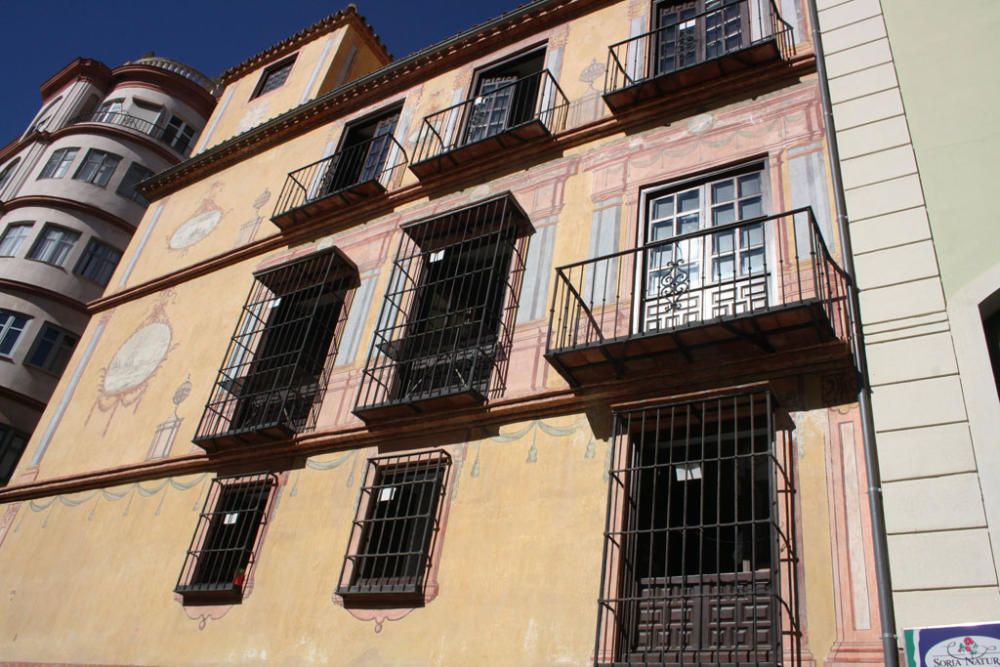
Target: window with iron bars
x=444 y=332
x=395 y=529
x=226 y=541
x=699 y=557
x=278 y=362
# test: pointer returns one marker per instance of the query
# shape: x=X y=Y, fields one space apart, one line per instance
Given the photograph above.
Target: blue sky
x=39 y=37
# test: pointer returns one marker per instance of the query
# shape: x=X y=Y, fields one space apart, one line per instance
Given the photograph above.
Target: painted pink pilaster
x=858 y=629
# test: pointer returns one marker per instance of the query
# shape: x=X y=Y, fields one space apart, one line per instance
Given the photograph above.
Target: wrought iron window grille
x=279 y=359
x=395 y=529
x=226 y=541
x=700 y=563
x=445 y=329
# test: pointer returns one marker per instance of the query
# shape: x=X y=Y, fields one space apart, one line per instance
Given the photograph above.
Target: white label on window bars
x=437 y=256
x=388 y=493
x=688 y=472
x=230 y=518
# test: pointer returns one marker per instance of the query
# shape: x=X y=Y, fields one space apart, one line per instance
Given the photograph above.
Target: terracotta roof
x=286 y=46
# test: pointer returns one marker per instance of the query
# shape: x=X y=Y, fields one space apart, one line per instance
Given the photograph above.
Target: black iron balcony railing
x=692 y=46
x=769 y=282
x=161 y=133
x=351 y=174
x=511 y=114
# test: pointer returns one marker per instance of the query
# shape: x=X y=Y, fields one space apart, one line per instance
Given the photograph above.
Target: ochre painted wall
x=521 y=552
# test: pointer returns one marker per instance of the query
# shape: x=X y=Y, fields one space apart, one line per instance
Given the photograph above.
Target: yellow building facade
x=531 y=348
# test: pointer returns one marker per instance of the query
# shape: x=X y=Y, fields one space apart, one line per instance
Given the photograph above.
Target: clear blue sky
x=39 y=37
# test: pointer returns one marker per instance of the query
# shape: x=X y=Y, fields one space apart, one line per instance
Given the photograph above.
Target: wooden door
x=720 y=618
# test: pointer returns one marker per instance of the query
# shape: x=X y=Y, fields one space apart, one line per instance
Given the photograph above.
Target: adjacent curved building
x=68 y=207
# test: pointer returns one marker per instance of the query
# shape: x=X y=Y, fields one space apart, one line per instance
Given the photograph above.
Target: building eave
x=393 y=78
x=286 y=46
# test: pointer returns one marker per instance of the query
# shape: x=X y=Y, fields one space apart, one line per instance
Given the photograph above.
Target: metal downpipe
x=879 y=541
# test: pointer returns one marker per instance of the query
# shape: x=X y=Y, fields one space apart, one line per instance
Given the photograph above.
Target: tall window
x=225 y=542
x=694 y=31
x=110 y=111
x=278 y=361
x=52 y=349
x=362 y=153
x=13 y=237
x=97 y=167
x=53 y=245
x=98 y=262
x=274 y=77
x=147 y=115
x=505 y=95
x=698 y=536
x=393 y=534
x=7 y=173
x=135 y=175
x=447 y=316
x=710 y=275
x=12 y=325
x=178 y=135
x=59 y=163
x=12 y=445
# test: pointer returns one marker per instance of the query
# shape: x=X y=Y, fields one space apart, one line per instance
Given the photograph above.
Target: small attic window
x=274 y=76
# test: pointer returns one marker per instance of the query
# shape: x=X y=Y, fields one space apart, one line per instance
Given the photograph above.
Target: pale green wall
x=947 y=60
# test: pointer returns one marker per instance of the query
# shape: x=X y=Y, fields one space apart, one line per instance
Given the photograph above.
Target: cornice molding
x=328 y=24
x=169 y=83
x=58 y=297
x=50 y=201
x=20 y=143
x=780 y=369
x=395 y=77
x=117 y=132
x=80 y=68
x=23 y=399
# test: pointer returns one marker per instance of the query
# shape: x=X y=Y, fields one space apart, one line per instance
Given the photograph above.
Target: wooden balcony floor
x=659 y=85
x=752 y=336
x=466 y=153
x=341 y=198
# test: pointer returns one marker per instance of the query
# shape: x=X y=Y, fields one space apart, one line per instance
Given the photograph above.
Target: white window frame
x=705 y=284
x=22 y=230
x=105 y=164
x=7 y=319
x=61 y=159
x=58 y=248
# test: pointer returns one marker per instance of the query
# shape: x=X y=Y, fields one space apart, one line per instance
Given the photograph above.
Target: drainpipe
x=883 y=578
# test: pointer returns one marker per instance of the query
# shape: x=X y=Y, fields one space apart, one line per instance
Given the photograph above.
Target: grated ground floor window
x=395 y=529
x=225 y=542
x=699 y=557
